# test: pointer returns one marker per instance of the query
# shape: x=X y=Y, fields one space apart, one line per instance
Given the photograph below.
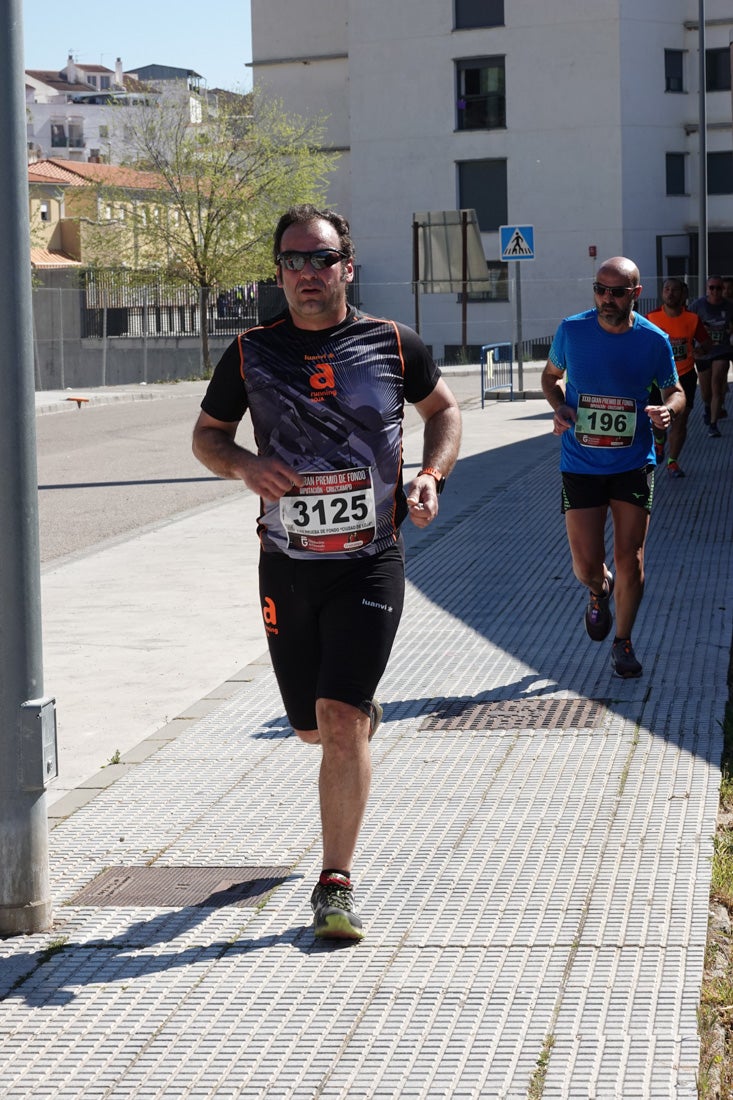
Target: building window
x=44 y=212
x=103 y=132
x=675 y=171
x=58 y=135
x=481 y=98
x=482 y=187
x=479 y=13
x=720 y=173
x=104 y=82
x=674 y=70
x=717 y=70
x=498 y=287
x=76 y=135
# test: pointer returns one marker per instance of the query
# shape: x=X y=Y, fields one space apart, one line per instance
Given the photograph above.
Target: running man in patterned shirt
x=325 y=386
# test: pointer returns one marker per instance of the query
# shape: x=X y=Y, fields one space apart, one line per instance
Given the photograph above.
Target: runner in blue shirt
x=598 y=378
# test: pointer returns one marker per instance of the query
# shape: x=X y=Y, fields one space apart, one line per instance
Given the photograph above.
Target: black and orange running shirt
x=330 y=403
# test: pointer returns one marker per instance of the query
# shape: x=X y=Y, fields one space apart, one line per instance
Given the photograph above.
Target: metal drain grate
x=181 y=886
x=526 y=714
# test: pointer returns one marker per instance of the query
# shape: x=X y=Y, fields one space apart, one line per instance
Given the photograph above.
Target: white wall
x=588 y=126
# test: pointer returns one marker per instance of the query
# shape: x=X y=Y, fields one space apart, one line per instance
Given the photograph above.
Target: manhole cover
x=531 y=714
x=180 y=886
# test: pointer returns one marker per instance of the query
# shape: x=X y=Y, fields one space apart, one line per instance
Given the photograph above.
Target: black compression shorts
x=330 y=627
x=597 y=490
x=688 y=381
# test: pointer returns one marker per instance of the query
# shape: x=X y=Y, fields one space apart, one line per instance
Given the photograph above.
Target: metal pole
x=702 y=237
x=520 y=356
x=464 y=279
x=416 y=272
x=25 y=904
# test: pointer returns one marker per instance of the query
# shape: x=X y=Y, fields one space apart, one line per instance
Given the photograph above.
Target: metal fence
x=114 y=306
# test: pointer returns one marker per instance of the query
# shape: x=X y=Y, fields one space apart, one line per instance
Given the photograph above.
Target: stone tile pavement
x=533 y=872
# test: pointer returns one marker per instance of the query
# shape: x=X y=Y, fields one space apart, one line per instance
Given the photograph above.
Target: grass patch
x=715 y=1015
x=537 y=1084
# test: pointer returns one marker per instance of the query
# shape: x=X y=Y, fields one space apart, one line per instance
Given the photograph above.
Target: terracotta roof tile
x=78 y=173
x=46 y=257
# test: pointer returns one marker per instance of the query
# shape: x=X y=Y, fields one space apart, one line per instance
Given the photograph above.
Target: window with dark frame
x=498 y=287
x=674 y=70
x=720 y=173
x=481 y=97
x=482 y=186
x=675 y=173
x=717 y=70
x=478 y=13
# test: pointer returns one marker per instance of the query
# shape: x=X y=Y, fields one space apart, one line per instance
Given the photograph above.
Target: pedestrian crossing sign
x=517 y=242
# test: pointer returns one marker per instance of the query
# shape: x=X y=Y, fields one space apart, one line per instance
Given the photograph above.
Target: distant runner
x=598 y=377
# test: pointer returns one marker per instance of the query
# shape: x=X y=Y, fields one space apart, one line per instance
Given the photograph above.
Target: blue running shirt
x=608 y=380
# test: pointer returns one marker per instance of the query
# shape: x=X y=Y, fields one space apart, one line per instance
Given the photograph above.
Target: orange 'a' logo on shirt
x=322 y=377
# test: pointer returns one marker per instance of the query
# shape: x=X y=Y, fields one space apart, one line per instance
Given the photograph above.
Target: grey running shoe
x=375 y=719
x=332 y=902
x=714 y=431
x=598 y=617
x=624 y=660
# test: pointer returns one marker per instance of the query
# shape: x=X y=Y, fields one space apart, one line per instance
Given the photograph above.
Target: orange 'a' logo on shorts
x=322 y=377
x=269 y=612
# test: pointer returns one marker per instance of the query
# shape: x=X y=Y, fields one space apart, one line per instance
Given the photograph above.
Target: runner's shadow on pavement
x=46 y=978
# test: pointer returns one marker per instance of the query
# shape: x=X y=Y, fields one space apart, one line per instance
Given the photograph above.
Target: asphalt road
x=111 y=471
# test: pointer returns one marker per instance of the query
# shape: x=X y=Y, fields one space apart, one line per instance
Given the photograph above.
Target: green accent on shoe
x=334 y=917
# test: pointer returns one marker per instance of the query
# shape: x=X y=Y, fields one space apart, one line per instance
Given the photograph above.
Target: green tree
x=227 y=170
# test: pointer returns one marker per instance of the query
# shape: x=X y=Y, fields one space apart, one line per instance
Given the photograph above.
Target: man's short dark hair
x=304 y=214
x=680 y=283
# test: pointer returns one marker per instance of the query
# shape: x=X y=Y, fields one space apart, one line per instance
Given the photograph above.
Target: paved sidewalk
x=533 y=872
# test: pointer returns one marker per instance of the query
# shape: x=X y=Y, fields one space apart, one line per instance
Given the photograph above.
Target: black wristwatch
x=434 y=472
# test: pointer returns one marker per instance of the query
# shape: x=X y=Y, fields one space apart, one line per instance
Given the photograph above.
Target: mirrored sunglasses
x=614 y=291
x=322 y=257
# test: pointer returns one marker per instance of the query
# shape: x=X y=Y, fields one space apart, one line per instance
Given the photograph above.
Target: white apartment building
x=576 y=117
x=74 y=114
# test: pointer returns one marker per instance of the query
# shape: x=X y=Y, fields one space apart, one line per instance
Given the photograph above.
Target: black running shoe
x=332 y=901
x=598 y=617
x=624 y=660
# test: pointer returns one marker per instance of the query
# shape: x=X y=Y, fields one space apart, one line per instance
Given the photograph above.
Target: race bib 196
x=605 y=421
x=331 y=513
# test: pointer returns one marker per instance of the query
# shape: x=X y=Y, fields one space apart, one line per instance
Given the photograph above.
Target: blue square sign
x=517 y=242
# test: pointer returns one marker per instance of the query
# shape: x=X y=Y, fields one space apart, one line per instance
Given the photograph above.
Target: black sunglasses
x=614 y=291
x=715 y=286
x=322 y=257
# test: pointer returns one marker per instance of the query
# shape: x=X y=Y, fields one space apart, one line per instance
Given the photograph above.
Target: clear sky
x=214 y=39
